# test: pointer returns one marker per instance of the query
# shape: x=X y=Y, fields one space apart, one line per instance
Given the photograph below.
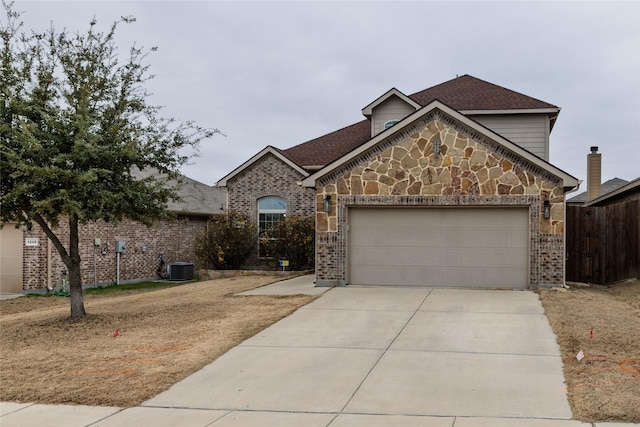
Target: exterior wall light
x=437 y=144
x=327 y=204
x=546 y=213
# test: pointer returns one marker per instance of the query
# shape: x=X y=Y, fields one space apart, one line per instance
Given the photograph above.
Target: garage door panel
x=397 y=276
x=496 y=257
x=447 y=257
x=476 y=247
x=439 y=276
x=442 y=236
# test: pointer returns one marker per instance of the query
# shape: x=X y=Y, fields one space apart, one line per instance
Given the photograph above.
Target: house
x=603 y=229
x=29 y=263
x=622 y=193
x=450 y=186
x=606 y=188
x=595 y=186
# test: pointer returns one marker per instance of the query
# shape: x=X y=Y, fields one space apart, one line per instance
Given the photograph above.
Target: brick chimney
x=594 y=174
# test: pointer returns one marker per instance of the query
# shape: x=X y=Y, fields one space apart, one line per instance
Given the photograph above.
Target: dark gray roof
x=607 y=187
x=618 y=194
x=197 y=198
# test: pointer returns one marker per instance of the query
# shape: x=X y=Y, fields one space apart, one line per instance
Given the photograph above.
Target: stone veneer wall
x=175 y=239
x=439 y=162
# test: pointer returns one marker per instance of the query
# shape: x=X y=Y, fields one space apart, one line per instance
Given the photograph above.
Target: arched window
x=270 y=211
x=390 y=123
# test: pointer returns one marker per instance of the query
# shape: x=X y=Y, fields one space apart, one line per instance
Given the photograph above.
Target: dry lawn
x=132 y=345
x=605 y=385
x=135 y=344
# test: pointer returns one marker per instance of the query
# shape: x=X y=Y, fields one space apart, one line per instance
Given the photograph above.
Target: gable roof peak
x=367 y=111
x=268 y=150
x=465 y=94
x=471 y=93
x=438 y=106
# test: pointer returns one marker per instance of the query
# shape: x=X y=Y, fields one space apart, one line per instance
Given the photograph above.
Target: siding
x=392 y=109
x=529 y=131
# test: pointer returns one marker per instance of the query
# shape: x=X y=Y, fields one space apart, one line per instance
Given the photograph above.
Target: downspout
x=564 y=234
x=117 y=268
x=49 y=278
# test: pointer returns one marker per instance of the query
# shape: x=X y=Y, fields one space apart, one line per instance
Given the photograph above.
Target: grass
x=140 y=339
x=131 y=287
x=604 y=323
x=102 y=290
x=136 y=341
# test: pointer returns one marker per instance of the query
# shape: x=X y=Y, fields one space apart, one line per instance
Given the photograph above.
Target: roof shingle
x=325 y=149
x=470 y=93
x=606 y=188
x=462 y=93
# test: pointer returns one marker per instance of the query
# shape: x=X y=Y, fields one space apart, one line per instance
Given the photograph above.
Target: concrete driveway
x=381 y=356
x=362 y=356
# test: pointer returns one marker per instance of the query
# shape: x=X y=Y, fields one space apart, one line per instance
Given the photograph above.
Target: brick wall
x=175 y=239
x=269 y=176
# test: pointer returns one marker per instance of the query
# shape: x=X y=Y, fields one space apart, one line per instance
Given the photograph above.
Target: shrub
x=292 y=239
x=228 y=241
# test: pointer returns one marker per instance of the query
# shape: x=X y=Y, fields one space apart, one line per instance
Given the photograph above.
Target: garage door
x=10 y=258
x=461 y=247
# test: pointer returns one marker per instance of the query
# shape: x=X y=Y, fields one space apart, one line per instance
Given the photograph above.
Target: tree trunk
x=75 y=288
x=75 y=279
x=71 y=260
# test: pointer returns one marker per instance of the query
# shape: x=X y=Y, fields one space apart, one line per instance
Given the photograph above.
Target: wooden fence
x=603 y=242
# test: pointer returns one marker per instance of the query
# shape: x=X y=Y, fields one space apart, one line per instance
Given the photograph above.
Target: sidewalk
x=6 y=295
x=362 y=356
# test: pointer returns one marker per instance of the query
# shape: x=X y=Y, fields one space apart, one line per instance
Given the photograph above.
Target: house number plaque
x=31 y=241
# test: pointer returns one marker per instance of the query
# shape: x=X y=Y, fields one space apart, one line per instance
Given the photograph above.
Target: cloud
x=281 y=73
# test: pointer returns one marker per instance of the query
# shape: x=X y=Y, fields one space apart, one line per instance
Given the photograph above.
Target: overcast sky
x=282 y=73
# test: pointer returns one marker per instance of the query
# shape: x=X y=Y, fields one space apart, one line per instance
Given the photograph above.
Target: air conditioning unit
x=181 y=271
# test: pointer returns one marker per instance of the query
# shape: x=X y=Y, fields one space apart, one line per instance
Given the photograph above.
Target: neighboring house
x=630 y=191
x=11 y=240
x=450 y=186
x=594 y=178
x=606 y=187
x=603 y=229
x=39 y=268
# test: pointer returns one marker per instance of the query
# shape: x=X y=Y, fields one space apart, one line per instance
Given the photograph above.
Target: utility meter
x=120 y=246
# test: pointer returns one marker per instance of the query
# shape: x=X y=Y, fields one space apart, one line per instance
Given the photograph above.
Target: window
x=270 y=211
x=390 y=123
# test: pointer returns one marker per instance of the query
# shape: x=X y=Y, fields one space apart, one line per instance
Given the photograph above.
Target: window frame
x=275 y=213
x=389 y=123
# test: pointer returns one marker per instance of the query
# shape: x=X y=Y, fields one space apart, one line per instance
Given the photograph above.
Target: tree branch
x=64 y=254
